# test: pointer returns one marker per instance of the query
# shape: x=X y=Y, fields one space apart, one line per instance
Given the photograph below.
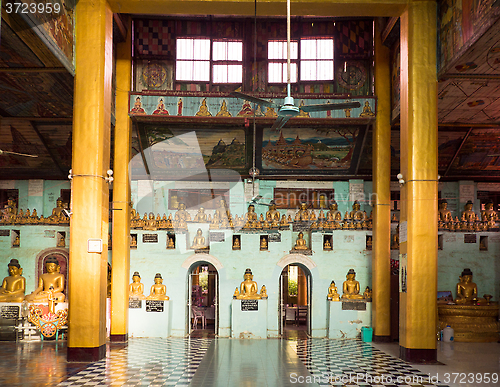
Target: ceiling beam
x=33 y=70
x=141 y=136
x=458 y=151
x=48 y=149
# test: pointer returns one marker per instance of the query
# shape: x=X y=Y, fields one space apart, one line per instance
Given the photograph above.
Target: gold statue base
x=471 y=323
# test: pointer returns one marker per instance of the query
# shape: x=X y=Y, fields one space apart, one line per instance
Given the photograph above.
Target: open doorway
x=295 y=302
x=203 y=301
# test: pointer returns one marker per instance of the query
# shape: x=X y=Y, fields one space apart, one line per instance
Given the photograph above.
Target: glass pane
x=201 y=49
x=184 y=48
x=201 y=71
x=308 y=49
x=220 y=74
x=235 y=51
x=324 y=70
x=184 y=70
x=277 y=50
x=308 y=70
x=274 y=73
x=219 y=51
x=325 y=48
x=293 y=73
x=234 y=73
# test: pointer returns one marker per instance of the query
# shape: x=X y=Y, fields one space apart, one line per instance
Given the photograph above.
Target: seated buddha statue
x=10 y=211
x=201 y=216
x=158 y=290
x=263 y=291
x=182 y=215
x=468 y=215
x=326 y=244
x=199 y=240
x=300 y=243
x=466 y=289
x=136 y=288
x=13 y=286
x=444 y=212
x=356 y=214
x=222 y=210
x=350 y=288
x=367 y=293
x=250 y=216
x=489 y=213
x=57 y=213
x=171 y=242
x=272 y=212
x=332 y=292
x=248 y=288
x=51 y=278
x=236 y=243
x=151 y=223
x=263 y=243
x=303 y=214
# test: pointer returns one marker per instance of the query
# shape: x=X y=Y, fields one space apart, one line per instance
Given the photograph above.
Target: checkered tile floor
x=355 y=363
x=146 y=362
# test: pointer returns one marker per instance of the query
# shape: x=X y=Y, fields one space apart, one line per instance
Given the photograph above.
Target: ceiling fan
x=288 y=109
x=16 y=154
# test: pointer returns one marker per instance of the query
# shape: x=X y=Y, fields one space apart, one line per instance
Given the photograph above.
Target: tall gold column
x=87 y=272
x=381 y=254
x=120 y=273
x=418 y=226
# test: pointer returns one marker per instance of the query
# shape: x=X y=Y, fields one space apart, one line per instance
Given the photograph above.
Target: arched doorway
x=295 y=301
x=203 y=301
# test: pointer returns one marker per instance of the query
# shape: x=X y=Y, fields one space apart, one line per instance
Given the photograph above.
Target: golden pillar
x=302 y=287
x=87 y=274
x=381 y=254
x=418 y=242
x=120 y=274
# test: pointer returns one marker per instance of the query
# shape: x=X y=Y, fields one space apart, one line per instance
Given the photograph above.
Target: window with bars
x=204 y=60
x=315 y=62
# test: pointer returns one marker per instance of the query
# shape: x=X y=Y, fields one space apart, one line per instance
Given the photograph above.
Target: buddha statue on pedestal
x=136 y=288
x=272 y=212
x=263 y=243
x=171 y=242
x=201 y=216
x=10 y=211
x=199 y=241
x=13 y=286
x=248 y=288
x=300 y=243
x=350 y=287
x=367 y=295
x=51 y=278
x=327 y=245
x=333 y=293
x=334 y=214
x=150 y=222
x=182 y=215
x=466 y=289
x=57 y=213
x=158 y=290
x=263 y=291
x=236 y=243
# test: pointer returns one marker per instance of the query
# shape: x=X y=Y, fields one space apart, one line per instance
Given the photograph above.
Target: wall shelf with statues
x=15 y=238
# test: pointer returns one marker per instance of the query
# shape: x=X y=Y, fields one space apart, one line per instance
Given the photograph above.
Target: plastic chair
x=198 y=314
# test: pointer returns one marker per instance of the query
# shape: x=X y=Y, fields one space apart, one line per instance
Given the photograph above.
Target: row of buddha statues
x=11 y=215
x=469 y=220
x=158 y=289
x=223 y=219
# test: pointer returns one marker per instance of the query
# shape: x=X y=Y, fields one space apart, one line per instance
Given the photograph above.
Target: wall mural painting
x=309 y=149
x=169 y=149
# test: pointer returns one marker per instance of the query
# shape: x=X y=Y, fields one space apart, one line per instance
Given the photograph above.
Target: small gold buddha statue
x=394 y=217
x=395 y=239
x=275 y=223
x=17 y=241
x=13 y=286
x=489 y=213
x=236 y=293
x=367 y=294
x=248 y=288
x=171 y=242
x=57 y=212
x=321 y=216
x=303 y=214
x=53 y=278
x=466 y=289
x=158 y=290
x=334 y=213
x=199 y=241
x=356 y=214
x=150 y=222
x=250 y=216
x=10 y=211
x=236 y=243
x=350 y=287
x=263 y=291
x=332 y=292
x=444 y=212
x=300 y=243
x=468 y=215
x=62 y=241
x=263 y=243
x=136 y=288
x=133 y=241
x=284 y=221
x=369 y=242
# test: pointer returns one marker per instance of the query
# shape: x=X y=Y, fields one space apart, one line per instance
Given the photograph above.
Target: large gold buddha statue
x=136 y=288
x=466 y=289
x=350 y=288
x=13 y=286
x=303 y=214
x=10 y=211
x=158 y=290
x=468 y=215
x=52 y=278
x=334 y=214
x=182 y=215
x=272 y=213
x=201 y=216
x=248 y=288
x=57 y=212
x=356 y=214
x=444 y=212
x=199 y=240
x=489 y=212
x=300 y=243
